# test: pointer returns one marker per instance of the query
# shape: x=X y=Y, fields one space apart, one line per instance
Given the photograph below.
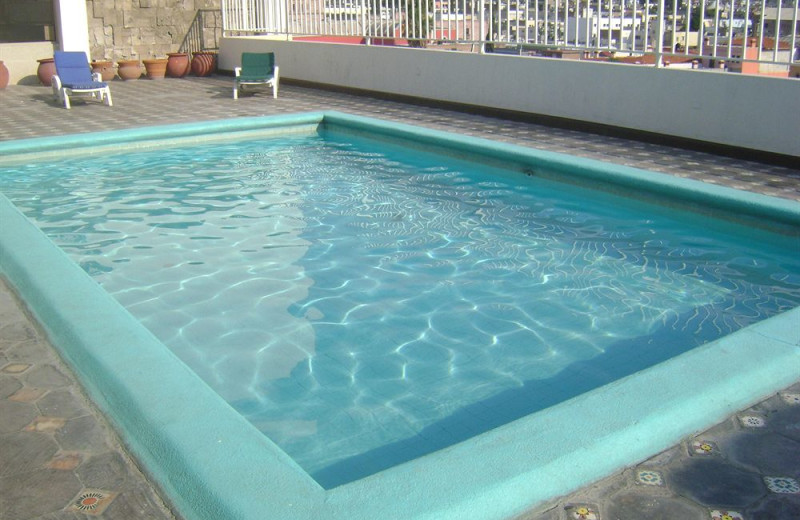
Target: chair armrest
x=55 y=84
x=237 y=71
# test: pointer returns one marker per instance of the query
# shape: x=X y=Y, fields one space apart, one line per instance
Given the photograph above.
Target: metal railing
x=734 y=34
x=203 y=33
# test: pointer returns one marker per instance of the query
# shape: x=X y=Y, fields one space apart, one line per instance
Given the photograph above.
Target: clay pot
x=129 y=69
x=105 y=68
x=204 y=63
x=46 y=71
x=156 y=68
x=178 y=64
x=3 y=75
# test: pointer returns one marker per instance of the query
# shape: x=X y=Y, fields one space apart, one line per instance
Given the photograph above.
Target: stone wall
x=152 y=28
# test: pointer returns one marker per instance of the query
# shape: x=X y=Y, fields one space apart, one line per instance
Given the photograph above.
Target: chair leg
x=108 y=97
x=235 y=90
x=59 y=92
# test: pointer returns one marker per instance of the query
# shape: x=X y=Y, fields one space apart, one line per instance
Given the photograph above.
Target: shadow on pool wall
x=621 y=359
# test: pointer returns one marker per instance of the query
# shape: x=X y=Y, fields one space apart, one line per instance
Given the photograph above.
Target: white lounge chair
x=258 y=68
x=74 y=76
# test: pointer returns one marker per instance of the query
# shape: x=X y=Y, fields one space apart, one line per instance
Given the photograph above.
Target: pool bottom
x=213 y=464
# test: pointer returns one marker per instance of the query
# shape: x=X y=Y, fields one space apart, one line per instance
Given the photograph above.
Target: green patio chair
x=258 y=68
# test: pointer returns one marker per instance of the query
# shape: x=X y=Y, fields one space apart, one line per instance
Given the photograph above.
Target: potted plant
x=105 y=68
x=129 y=69
x=204 y=63
x=46 y=71
x=156 y=68
x=4 y=75
x=178 y=64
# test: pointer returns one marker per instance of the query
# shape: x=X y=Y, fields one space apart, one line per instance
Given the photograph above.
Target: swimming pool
x=504 y=464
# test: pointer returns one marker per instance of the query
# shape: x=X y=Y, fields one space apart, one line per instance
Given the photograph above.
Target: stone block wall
x=152 y=28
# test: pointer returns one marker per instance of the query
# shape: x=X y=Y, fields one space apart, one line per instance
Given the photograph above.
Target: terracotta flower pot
x=129 y=69
x=3 y=75
x=105 y=68
x=204 y=63
x=46 y=71
x=156 y=68
x=178 y=64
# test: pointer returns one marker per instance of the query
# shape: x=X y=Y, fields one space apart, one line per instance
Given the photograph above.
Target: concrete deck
x=59 y=459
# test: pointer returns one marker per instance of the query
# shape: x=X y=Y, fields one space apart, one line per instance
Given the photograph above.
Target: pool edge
x=195 y=452
x=90 y=140
x=220 y=491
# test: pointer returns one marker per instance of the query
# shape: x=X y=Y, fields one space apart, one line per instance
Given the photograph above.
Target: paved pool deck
x=59 y=459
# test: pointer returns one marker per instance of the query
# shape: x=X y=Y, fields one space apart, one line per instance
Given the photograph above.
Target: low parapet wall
x=743 y=111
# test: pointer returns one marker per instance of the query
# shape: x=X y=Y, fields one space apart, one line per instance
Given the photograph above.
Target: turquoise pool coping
x=211 y=463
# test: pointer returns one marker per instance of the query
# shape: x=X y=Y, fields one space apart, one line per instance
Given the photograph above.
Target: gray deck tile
x=714 y=483
x=679 y=484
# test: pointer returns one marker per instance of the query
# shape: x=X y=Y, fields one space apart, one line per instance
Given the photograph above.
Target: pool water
x=363 y=305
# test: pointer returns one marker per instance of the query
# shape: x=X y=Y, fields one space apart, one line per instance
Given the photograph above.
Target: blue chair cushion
x=92 y=85
x=74 y=71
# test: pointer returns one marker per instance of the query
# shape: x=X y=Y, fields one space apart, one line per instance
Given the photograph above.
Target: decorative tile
x=66 y=461
x=726 y=515
x=92 y=501
x=582 y=512
x=752 y=421
x=27 y=394
x=784 y=485
x=45 y=424
x=703 y=447
x=649 y=477
x=16 y=368
x=790 y=398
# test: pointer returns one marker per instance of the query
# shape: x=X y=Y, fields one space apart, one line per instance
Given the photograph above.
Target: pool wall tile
x=213 y=464
x=660 y=187
x=133 y=138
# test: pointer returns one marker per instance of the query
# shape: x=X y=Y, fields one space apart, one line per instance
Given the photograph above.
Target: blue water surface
x=364 y=304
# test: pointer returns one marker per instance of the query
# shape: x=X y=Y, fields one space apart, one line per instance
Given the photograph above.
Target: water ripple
x=350 y=300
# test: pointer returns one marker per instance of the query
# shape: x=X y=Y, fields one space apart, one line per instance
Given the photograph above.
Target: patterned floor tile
x=92 y=501
x=703 y=447
x=46 y=424
x=648 y=477
x=27 y=394
x=717 y=514
x=791 y=398
x=582 y=512
x=785 y=485
x=752 y=421
x=15 y=368
x=66 y=461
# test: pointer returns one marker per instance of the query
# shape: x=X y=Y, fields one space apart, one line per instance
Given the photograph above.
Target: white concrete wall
x=20 y=59
x=72 y=25
x=759 y=113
